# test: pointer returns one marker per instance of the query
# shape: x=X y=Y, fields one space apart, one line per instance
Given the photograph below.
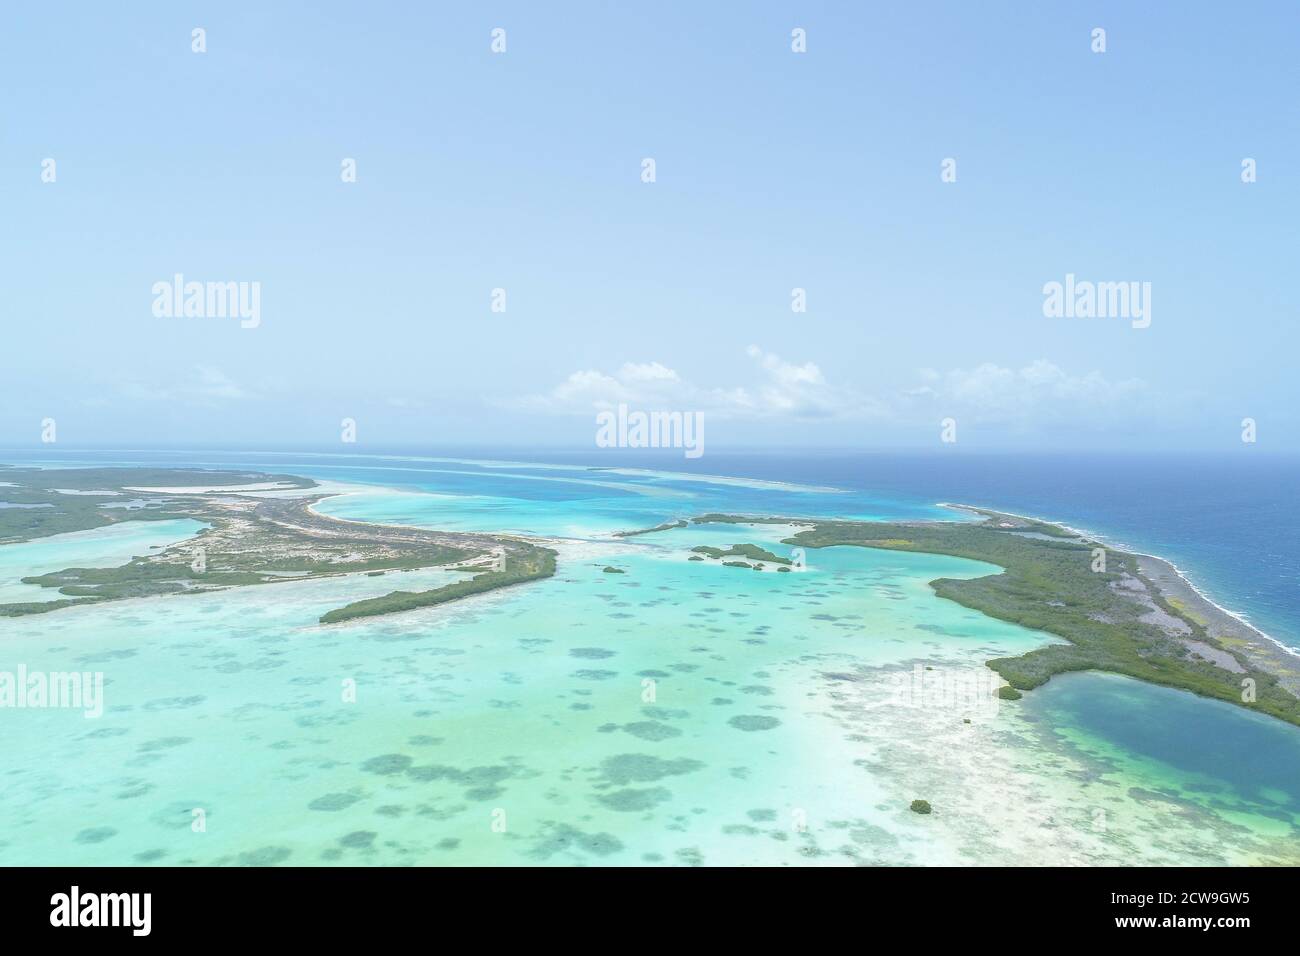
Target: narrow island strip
x=666 y=526
x=520 y=568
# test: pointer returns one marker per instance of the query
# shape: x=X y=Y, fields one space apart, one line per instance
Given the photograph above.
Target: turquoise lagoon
x=105 y=547
x=680 y=713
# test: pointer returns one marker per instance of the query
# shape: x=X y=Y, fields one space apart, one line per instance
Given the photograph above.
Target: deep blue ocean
x=1229 y=522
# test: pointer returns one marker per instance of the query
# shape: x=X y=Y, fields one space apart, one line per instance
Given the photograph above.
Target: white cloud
x=798 y=391
x=781 y=389
x=585 y=389
x=647 y=372
x=801 y=391
x=1041 y=391
x=206 y=385
x=213 y=383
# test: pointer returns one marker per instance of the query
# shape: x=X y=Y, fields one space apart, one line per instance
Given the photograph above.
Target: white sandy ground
x=568 y=549
x=545 y=466
x=1167 y=574
x=74 y=491
x=322 y=487
x=757 y=483
x=601 y=544
x=209 y=489
x=768 y=531
x=1006 y=793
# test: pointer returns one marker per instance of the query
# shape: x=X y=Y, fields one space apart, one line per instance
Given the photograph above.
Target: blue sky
x=775 y=170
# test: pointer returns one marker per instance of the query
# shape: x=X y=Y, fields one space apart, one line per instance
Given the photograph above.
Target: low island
x=1116 y=611
x=261 y=530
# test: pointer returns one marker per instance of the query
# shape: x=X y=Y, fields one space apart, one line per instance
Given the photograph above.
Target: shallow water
x=105 y=547
x=679 y=713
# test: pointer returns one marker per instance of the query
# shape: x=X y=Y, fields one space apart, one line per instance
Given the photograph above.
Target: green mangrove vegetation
x=59 y=500
x=1113 y=620
x=538 y=563
x=248 y=539
x=667 y=526
x=751 y=551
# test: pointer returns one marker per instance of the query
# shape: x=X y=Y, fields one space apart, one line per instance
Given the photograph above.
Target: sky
x=774 y=170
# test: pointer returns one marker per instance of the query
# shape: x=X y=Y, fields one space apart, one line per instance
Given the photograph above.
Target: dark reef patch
x=753 y=722
x=333 y=801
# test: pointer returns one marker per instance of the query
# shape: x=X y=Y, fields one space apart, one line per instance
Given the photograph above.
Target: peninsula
x=1116 y=611
x=261 y=530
